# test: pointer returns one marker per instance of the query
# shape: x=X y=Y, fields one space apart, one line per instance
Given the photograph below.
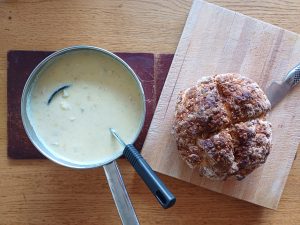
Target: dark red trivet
x=152 y=70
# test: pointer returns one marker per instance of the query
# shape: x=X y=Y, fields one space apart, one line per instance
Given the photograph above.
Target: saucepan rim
x=26 y=98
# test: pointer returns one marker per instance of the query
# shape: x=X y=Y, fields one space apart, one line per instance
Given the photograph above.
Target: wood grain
x=216 y=40
x=39 y=192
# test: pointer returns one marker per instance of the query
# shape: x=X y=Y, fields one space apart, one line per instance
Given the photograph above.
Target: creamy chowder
x=77 y=98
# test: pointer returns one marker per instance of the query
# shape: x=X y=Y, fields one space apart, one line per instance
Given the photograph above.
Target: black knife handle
x=154 y=183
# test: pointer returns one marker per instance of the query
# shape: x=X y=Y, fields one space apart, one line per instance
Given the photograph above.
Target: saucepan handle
x=120 y=195
x=157 y=187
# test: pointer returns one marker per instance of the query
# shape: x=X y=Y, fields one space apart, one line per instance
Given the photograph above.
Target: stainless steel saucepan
x=117 y=187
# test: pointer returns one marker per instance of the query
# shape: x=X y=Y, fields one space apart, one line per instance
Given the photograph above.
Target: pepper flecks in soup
x=90 y=93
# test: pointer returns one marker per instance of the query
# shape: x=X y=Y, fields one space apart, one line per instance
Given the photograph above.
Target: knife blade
x=277 y=91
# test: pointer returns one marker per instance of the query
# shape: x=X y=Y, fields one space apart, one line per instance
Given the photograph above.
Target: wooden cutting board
x=217 y=40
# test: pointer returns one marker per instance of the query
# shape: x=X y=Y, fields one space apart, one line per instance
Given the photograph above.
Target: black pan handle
x=154 y=183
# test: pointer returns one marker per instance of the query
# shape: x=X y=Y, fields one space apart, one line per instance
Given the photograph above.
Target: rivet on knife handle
x=293 y=77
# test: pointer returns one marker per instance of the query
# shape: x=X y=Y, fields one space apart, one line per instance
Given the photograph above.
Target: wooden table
x=40 y=192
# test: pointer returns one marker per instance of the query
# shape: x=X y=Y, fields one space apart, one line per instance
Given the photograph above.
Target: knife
x=277 y=91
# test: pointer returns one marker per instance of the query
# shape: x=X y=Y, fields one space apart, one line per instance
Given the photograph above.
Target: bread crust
x=221 y=128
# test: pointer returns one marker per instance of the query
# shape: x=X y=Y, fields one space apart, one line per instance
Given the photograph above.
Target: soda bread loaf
x=221 y=128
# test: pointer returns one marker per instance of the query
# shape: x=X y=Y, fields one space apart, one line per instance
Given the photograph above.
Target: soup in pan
x=77 y=98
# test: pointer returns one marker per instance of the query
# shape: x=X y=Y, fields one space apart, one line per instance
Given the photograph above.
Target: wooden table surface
x=40 y=192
